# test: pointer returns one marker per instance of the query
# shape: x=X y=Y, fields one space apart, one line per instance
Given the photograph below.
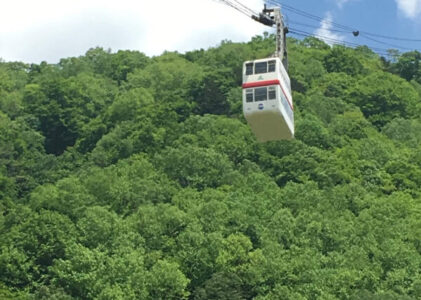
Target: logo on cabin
x=260 y=106
x=260 y=77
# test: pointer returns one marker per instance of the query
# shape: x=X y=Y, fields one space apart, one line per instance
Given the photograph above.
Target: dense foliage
x=129 y=177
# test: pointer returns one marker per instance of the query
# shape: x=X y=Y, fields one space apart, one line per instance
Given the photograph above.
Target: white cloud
x=33 y=31
x=324 y=32
x=410 y=8
x=341 y=2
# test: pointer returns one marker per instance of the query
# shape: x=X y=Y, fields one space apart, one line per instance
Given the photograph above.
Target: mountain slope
x=129 y=177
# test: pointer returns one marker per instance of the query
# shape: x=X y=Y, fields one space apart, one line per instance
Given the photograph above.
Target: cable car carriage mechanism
x=267 y=97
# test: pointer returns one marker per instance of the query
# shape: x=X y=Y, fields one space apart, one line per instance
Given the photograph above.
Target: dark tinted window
x=272 y=93
x=260 y=94
x=249 y=69
x=249 y=95
x=261 y=67
x=272 y=65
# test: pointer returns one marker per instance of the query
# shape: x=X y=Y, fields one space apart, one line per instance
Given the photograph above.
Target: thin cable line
x=345 y=27
x=338 y=42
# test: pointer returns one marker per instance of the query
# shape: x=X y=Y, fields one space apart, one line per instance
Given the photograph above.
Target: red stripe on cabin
x=266 y=83
x=260 y=83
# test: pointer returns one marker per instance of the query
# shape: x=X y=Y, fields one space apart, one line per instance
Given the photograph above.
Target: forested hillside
x=124 y=176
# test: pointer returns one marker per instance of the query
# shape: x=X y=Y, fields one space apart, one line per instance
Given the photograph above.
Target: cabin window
x=249 y=95
x=272 y=93
x=272 y=65
x=260 y=94
x=249 y=69
x=261 y=67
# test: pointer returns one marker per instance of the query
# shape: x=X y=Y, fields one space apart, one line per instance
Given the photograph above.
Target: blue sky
x=48 y=30
x=398 y=18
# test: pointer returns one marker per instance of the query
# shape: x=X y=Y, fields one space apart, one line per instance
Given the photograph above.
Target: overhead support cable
x=237 y=5
x=310 y=16
x=391 y=37
x=330 y=40
x=341 y=26
x=252 y=12
x=317 y=26
x=387 y=44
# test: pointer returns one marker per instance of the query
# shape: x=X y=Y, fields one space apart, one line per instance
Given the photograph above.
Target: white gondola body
x=267 y=99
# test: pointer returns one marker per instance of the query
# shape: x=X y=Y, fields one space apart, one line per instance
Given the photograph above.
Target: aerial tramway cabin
x=267 y=100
